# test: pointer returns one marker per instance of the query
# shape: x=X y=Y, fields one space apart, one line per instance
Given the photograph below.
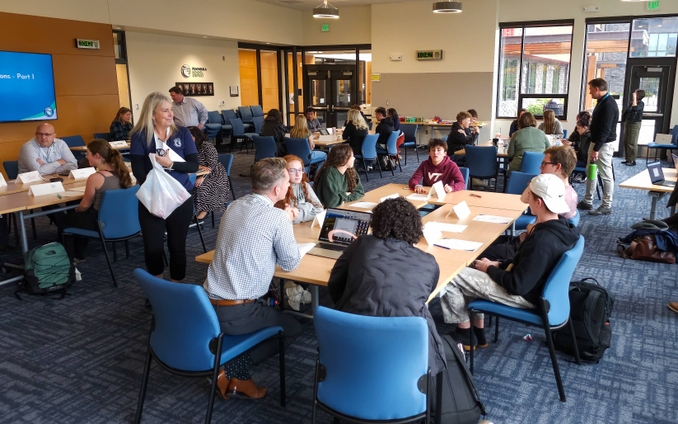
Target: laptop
x=339 y=229
x=324 y=131
x=657 y=175
x=663 y=139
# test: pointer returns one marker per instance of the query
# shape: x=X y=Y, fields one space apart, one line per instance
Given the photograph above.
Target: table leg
x=315 y=294
x=22 y=229
x=655 y=199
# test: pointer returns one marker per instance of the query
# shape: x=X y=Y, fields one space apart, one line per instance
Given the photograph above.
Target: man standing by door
x=603 y=133
x=188 y=112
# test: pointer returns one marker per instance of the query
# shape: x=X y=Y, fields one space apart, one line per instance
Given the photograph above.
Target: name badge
x=29 y=177
x=432 y=233
x=319 y=219
x=440 y=190
x=3 y=183
x=80 y=174
x=43 y=189
x=461 y=210
x=118 y=144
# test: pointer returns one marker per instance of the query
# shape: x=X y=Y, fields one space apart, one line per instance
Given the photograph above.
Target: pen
x=444 y=247
x=476 y=195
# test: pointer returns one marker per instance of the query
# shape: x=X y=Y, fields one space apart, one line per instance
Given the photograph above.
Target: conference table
x=113 y=146
x=327 y=141
x=641 y=181
x=315 y=270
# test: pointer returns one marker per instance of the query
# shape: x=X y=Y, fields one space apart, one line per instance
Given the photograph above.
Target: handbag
x=644 y=249
x=161 y=194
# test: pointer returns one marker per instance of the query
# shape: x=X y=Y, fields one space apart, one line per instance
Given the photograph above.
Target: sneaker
x=583 y=206
x=463 y=336
x=673 y=306
x=601 y=211
x=630 y=163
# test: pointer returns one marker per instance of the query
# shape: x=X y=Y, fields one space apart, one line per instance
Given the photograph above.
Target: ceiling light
x=447 y=6
x=326 y=11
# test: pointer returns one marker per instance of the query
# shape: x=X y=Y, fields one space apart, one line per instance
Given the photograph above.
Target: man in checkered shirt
x=253 y=237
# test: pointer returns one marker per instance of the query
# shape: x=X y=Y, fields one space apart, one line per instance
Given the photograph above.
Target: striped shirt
x=253 y=237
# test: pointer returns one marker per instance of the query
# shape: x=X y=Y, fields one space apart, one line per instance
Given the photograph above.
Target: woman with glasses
x=300 y=195
x=174 y=149
x=337 y=181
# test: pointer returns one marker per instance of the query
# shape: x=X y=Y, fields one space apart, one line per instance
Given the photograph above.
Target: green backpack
x=47 y=269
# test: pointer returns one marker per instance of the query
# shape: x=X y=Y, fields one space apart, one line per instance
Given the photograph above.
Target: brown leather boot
x=222 y=384
x=245 y=389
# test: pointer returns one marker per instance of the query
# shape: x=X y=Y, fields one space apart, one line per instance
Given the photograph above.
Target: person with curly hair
x=400 y=282
x=300 y=195
x=337 y=181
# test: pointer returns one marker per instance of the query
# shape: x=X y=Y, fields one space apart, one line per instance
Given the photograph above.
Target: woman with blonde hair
x=337 y=181
x=300 y=130
x=551 y=126
x=155 y=134
x=300 y=195
x=355 y=131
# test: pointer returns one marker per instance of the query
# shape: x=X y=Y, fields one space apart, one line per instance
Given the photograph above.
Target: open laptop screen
x=341 y=226
x=656 y=173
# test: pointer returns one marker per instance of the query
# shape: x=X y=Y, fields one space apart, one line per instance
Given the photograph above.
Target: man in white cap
x=520 y=281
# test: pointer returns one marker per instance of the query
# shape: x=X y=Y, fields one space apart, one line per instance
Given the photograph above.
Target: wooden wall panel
x=85 y=80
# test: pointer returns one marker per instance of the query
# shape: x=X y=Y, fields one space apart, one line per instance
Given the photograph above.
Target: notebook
x=657 y=175
x=339 y=229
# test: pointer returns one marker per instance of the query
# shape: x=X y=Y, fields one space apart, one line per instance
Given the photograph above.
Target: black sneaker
x=463 y=336
x=583 y=206
x=480 y=336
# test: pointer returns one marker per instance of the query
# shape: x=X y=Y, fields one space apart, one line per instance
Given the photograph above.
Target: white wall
x=354 y=26
x=155 y=62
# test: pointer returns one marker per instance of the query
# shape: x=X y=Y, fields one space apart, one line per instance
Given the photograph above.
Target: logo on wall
x=195 y=72
x=49 y=112
x=186 y=71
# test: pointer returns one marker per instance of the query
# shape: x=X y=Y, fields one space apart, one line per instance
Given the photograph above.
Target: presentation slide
x=26 y=87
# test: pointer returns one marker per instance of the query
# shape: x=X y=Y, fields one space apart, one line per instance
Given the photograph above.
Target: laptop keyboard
x=335 y=247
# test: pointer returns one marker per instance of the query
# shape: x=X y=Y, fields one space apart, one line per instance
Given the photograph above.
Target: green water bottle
x=592 y=171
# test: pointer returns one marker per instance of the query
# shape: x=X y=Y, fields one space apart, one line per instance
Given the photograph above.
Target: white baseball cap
x=552 y=190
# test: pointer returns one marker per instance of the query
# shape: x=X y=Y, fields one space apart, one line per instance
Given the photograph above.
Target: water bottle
x=592 y=171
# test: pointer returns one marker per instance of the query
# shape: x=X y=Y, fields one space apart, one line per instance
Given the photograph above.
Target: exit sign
x=325 y=27
x=87 y=44
x=653 y=5
x=429 y=55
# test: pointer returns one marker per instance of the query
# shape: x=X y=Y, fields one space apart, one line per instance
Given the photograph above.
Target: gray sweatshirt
x=307 y=210
x=31 y=151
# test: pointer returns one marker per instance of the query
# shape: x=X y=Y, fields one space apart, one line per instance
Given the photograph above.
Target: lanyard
x=159 y=144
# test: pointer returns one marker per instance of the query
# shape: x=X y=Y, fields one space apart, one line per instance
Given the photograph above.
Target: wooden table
x=502 y=151
x=375 y=196
x=84 y=148
x=15 y=186
x=482 y=199
x=641 y=181
x=328 y=141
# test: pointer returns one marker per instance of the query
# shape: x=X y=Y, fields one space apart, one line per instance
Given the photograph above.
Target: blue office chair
x=256 y=111
x=517 y=183
x=369 y=154
x=103 y=136
x=213 y=124
x=118 y=221
x=264 y=147
x=11 y=168
x=482 y=163
x=371 y=369
x=240 y=134
x=575 y=219
x=671 y=147
x=531 y=163
x=75 y=141
x=553 y=310
x=410 y=131
x=299 y=147
x=392 y=150
x=185 y=335
x=245 y=114
x=465 y=173
x=226 y=128
x=226 y=160
x=564 y=134
x=258 y=122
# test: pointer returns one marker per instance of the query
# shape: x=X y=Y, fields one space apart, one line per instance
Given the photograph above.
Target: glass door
x=330 y=89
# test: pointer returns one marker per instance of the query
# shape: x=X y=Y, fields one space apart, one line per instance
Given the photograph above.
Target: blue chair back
x=674 y=133
x=391 y=143
x=558 y=284
x=11 y=168
x=214 y=117
x=372 y=364
x=226 y=160
x=119 y=213
x=228 y=114
x=369 y=148
x=565 y=134
x=518 y=181
x=258 y=122
x=245 y=113
x=103 y=136
x=256 y=111
x=465 y=174
x=575 y=219
x=185 y=323
x=481 y=161
x=238 y=127
x=410 y=131
x=73 y=140
x=265 y=147
x=299 y=147
x=531 y=163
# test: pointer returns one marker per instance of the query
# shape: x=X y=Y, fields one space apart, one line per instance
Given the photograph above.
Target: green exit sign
x=325 y=27
x=429 y=54
x=653 y=5
x=87 y=44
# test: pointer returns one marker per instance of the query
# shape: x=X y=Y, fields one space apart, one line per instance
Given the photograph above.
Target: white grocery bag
x=161 y=193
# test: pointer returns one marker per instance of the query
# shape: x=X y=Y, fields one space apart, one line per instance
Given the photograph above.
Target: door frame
x=329 y=71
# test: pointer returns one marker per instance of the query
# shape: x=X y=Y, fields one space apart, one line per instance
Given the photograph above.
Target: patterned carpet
x=79 y=360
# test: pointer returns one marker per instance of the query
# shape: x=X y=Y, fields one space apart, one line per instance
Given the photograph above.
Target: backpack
x=48 y=269
x=590 y=309
x=458 y=401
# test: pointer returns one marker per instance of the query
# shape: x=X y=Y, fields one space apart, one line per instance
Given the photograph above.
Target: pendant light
x=326 y=11
x=447 y=6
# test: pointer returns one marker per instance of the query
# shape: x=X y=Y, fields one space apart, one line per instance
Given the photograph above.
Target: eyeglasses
x=296 y=170
x=544 y=163
x=44 y=134
x=161 y=152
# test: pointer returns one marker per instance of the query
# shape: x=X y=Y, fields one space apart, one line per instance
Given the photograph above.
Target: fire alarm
x=396 y=57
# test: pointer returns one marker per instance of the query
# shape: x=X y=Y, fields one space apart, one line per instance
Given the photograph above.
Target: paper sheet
x=456 y=244
x=449 y=228
x=364 y=205
x=305 y=247
x=418 y=196
x=492 y=219
x=390 y=196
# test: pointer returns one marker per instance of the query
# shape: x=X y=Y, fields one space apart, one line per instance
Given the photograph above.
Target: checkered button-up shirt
x=253 y=237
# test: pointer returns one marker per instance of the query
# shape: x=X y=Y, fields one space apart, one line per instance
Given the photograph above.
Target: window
x=655 y=37
x=534 y=68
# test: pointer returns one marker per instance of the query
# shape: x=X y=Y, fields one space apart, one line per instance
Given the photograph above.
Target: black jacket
x=456 y=140
x=384 y=129
x=535 y=259
x=580 y=144
x=604 y=122
x=355 y=137
x=633 y=113
x=387 y=278
x=275 y=129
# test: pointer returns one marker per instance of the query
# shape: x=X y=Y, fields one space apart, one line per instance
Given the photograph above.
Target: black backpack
x=47 y=270
x=590 y=310
x=458 y=401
